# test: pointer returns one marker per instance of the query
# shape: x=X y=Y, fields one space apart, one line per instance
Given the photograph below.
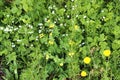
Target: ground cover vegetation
x=60 y=39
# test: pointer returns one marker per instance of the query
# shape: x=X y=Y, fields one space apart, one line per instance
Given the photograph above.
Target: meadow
x=59 y=40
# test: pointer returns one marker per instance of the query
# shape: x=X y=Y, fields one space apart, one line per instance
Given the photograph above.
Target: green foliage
x=49 y=39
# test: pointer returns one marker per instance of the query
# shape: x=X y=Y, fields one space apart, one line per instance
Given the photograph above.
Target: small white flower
x=54 y=21
x=83 y=30
x=30 y=26
x=7 y=29
x=45 y=19
x=39 y=31
x=73 y=7
x=15 y=29
x=59 y=19
x=72 y=0
x=13 y=45
x=65 y=6
x=15 y=71
x=102 y=11
x=19 y=26
x=82 y=44
x=40 y=24
x=36 y=39
x=8 y=26
x=84 y=17
x=68 y=16
x=66 y=34
x=40 y=27
x=87 y=21
x=61 y=24
x=49 y=7
x=8 y=15
x=53 y=12
x=19 y=40
x=12 y=21
x=1 y=28
x=103 y=17
x=53 y=6
x=63 y=35
x=31 y=45
x=76 y=16
x=65 y=24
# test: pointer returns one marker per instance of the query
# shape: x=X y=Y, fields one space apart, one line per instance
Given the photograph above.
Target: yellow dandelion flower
x=41 y=35
x=106 y=53
x=76 y=27
x=83 y=73
x=51 y=42
x=51 y=26
x=87 y=60
x=61 y=64
x=71 y=42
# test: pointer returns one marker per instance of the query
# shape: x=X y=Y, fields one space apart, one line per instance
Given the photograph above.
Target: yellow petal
x=87 y=60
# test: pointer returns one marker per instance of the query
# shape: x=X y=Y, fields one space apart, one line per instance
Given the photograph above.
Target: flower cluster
x=51 y=42
x=71 y=42
x=86 y=60
x=71 y=54
x=41 y=35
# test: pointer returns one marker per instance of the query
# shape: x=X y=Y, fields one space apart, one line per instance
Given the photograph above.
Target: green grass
x=50 y=39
